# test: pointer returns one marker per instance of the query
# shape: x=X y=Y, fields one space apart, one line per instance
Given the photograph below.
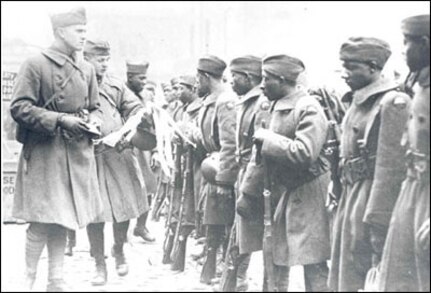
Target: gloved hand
x=74 y=125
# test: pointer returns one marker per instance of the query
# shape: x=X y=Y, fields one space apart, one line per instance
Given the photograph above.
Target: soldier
x=405 y=264
x=215 y=135
x=136 y=78
x=186 y=115
x=253 y=108
x=121 y=183
x=173 y=102
x=55 y=101
x=293 y=148
x=371 y=166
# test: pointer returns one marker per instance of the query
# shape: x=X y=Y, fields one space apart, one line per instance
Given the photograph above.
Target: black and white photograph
x=215 y=146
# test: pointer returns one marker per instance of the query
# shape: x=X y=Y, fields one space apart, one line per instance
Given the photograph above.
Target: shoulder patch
x=230 y=105
x=264 y=106
x=400 y=103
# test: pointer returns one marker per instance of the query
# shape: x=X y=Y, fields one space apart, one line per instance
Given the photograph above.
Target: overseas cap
x=212 y=64
x=247 y=64
x=97 y=48
x=363 y=49
x=418 y=25
x=73 y=17
x=283 y=66
x=137 y=67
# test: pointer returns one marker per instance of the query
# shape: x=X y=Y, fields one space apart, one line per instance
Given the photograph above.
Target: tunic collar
x=288 y=102
x=58 y=56
x=253 y=93
x=379 y=86
x=423 y=77
x=193 y=106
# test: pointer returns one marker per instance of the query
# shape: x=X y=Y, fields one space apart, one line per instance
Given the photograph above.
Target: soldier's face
x=415 y=52
x=202 y=84
x=272 y=86
x=175 y=92
x=100 y=63
x=356 y=74
x=185 y=93
x=137 y=81
x=74 y=36
x=240 y=83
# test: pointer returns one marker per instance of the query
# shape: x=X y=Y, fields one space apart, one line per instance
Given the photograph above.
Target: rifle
x=174 y=195
x=179 y=251
x=268 y=257
x=332 y=148
x=229 y=276
x=160 y=199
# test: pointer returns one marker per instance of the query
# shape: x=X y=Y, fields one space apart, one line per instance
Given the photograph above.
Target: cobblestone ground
x=146 y=272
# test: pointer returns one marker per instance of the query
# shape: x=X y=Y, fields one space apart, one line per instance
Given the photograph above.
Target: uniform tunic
x=378 y=114
x=299 y=179
x=56 y=179
x=253 y=108
x=405 y=265
x=216 y=123
x=122 y=186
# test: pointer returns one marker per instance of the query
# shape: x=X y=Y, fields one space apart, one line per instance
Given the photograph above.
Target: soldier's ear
x=425 y=42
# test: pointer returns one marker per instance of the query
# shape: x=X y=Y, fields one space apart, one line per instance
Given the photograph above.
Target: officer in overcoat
x=372 y=166
x=55 y=99
x=298 y=173
x=405 y=264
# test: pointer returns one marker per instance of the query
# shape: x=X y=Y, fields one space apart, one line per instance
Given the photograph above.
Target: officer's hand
x=155 y=161
x=260 y=135
x=176 y=139
x=74 y=125
x=423 y=235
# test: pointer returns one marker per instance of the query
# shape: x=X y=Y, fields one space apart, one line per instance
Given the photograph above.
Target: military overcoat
x=56 y=179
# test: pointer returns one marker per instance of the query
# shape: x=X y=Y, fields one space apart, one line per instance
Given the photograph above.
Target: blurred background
x=173 y=35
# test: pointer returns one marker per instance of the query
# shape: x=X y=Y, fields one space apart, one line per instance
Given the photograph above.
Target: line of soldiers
x=252 y=166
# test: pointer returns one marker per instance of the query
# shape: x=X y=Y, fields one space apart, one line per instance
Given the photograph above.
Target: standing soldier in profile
x=216 y=136
x=371 y=162
x=55 y=100
x=121 y=184
x=253 y=109
x=186 y=115
x=136 y=78
x=405 y=264
x=293 y=149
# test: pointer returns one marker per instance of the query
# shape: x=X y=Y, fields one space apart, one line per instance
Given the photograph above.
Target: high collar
x=210 y=99
x=194 y=105
x=253 y=93
x=423 y=77
x=288 y=102
x=360 y=96
x=58 y=56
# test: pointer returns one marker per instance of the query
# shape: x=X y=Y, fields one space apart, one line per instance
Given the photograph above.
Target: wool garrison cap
x=189 y=80
x=73 y=17
x=175 y=80
x=137 y=67
x=364 y=49
x=247 y=64
x=212 y=64
x=283 y=66
x=100 y=48
x=418 y=25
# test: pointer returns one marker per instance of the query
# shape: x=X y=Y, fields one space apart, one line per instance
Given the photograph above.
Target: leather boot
x=101 y=274
x=120 y=260
x=242 y=284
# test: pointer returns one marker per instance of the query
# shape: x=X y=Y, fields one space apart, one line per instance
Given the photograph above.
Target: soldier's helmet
x=210 y=167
